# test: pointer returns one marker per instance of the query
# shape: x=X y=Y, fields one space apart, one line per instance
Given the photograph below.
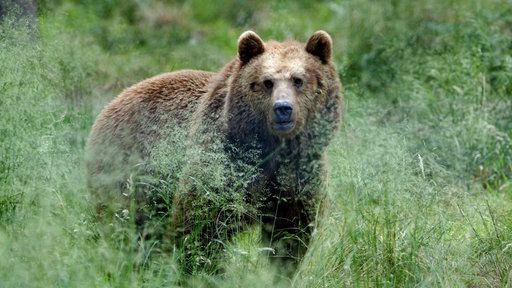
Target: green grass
x=421 y=172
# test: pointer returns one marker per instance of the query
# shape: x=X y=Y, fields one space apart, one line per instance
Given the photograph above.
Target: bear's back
x=172 y=92
x=142 y=115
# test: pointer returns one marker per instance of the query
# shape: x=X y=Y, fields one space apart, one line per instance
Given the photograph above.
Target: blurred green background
x=421 y=171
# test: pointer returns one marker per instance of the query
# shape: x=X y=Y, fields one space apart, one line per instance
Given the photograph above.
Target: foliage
x=421 y=171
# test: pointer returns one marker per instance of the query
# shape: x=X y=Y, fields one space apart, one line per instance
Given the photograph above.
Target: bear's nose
x=283 y=111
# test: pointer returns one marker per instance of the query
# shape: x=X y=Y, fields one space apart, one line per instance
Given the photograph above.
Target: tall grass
x=420 y=178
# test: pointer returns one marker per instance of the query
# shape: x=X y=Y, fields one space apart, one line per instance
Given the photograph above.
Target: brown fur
x=237 y=108
x=128 y=128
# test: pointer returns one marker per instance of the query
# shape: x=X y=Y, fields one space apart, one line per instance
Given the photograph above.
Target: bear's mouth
x=284 y=126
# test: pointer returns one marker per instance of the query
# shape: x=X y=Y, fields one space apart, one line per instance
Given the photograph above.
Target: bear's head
x=286 y=84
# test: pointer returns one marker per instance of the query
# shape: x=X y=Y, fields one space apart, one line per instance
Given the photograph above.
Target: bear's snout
x=283 y=111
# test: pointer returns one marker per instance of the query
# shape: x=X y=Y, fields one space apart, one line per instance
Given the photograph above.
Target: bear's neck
x=250 y=136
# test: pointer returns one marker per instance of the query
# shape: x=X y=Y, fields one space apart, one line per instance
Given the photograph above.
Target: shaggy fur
x=278 y=101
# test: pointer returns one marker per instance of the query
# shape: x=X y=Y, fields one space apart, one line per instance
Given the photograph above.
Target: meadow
x=420 y=174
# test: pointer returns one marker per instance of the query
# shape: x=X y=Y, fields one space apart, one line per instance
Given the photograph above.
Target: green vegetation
x=421 y=173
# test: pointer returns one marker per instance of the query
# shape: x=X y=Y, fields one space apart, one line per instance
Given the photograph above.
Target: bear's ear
x=320 y=45
x=250 y=45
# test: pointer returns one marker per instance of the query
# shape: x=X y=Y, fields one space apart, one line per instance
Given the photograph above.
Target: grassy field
x=421 y=172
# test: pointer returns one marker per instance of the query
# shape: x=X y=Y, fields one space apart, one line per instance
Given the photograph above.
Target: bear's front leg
x=203 y=225
x=286 y=228
x=293 y=200
x=198 y=231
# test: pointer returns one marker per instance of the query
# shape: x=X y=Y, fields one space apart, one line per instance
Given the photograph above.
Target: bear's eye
x=253 y=87
x=297 y=82
x=268 y=84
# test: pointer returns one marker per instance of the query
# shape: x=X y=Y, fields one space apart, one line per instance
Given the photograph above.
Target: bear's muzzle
x=282 y=120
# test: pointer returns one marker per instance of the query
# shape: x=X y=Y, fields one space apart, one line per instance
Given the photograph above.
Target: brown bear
x=239 y=147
